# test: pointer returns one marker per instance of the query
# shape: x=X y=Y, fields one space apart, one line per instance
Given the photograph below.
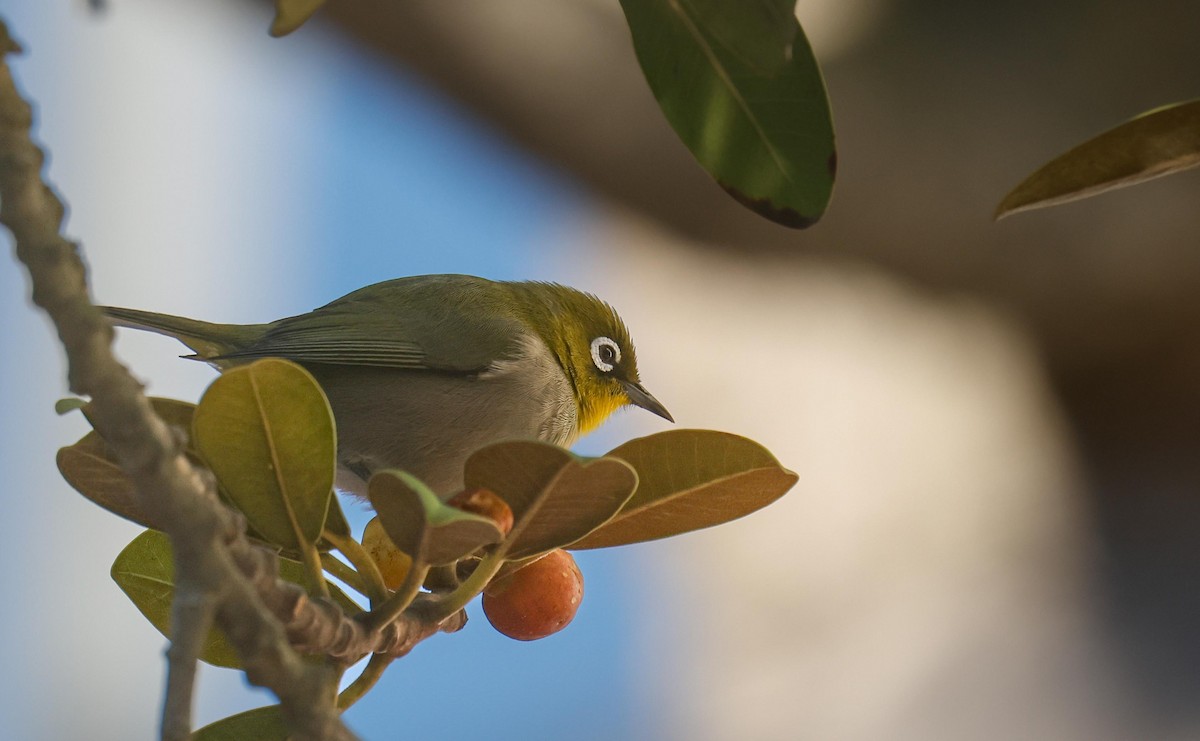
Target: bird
x=422 y=371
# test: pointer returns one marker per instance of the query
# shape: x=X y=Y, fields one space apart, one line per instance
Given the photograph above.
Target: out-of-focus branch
x=202 y=530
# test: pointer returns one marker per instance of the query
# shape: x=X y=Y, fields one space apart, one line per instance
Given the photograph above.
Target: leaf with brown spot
x=688 y=480
x=1156 y=143
x=738 y=82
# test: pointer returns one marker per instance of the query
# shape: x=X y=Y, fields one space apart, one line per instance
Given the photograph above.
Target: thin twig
x=392 y=607
x=190 y=623
x=335 y=567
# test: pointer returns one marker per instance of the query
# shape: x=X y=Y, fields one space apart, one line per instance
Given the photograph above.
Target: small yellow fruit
x=392 y=562
x=537 y=601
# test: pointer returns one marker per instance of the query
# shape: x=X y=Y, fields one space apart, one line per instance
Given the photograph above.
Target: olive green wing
x=448 y=323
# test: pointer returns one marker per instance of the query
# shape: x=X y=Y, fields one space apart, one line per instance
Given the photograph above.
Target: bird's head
x=596 y=352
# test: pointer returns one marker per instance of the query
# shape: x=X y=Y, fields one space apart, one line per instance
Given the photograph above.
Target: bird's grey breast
x=535 y=376
x=428 y=422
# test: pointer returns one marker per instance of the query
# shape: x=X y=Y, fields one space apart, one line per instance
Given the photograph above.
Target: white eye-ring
x=605 y=353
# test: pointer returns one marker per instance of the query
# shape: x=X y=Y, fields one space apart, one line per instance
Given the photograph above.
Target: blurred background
x=996 y=532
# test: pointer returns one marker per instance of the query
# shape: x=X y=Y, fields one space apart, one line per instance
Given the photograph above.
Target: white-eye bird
x=422 y=371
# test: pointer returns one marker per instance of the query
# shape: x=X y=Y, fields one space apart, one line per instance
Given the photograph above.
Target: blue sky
x=214 y=171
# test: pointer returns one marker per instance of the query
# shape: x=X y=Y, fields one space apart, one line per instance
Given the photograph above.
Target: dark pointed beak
x=639 y=396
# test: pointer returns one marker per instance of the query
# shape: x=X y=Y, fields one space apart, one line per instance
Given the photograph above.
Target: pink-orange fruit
x=537 y=601
x=487 y=503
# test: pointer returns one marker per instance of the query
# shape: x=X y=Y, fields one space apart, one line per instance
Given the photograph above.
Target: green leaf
x=556 y=499
x=335 y=521
x=758 y=33
x=259 y=724
x=267 y=432
x=145 y=572
x=292 y=14
x=691 y=479
x=68 y=405
x=761 y=128
x=420 y=525
x=1154 y=144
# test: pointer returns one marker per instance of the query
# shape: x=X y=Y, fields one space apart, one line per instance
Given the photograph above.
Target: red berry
x=537 y=601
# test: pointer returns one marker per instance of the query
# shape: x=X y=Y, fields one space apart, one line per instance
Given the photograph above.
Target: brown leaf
x=556 y=498
x=90 y=467
x=688 y=480
x=1157 y=143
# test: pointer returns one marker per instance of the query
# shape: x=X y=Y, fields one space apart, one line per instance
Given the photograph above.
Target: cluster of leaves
x=266 y=432
x=738 y=82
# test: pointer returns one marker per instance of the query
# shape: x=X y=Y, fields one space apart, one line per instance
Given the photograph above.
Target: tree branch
x=203 y=533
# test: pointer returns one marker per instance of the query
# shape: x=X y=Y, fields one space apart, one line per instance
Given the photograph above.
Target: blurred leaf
x=758 y=33
x=555 y=498
x=145 y=572
x=690 y=479
x=90 y=467
x=1156 y=143
x=267 y=432
x=175 y=413
x=68 y=405
x=335 y=521
x=259 y=724
x=764 y=132
x=292 y=14
x=420 y=525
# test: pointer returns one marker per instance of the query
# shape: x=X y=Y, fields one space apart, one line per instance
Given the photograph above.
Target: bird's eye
x=606 y=354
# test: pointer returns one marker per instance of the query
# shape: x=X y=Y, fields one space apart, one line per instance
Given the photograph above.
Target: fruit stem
x=343 y=573
x=451 y=602
x=390 y=609
x=365 y=681
x=358 y=557
x=314 y=572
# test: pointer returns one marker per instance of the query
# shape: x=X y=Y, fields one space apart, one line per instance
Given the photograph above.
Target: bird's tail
x=207 y=339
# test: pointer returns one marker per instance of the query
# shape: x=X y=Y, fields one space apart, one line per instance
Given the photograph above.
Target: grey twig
x=191 y=619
